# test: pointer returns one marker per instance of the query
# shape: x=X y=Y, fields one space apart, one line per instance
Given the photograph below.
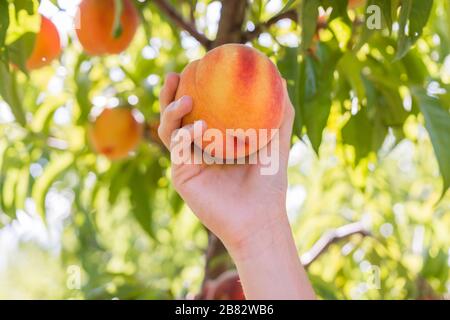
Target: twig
x=330 y=238
x=290 y=14
x=165 y=7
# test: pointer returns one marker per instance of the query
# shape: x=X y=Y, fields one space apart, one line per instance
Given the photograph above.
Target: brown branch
x=170 y=11
x=330 y=238
x=231 y=22
x=290 y=14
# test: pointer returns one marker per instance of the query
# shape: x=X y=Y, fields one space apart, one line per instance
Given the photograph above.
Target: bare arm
x=269 y=266
x=245 y=209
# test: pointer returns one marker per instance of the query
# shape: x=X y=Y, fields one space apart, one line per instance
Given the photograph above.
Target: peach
x=47 y=46
x=96 y=23
x=234 y=87
x=116 y=132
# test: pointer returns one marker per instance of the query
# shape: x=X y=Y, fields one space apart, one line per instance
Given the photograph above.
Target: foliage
x=372 y=134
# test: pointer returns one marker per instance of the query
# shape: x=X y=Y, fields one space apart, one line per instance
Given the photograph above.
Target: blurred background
x=369 y=164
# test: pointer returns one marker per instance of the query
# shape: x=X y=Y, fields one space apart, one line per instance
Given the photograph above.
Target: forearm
x=269 y=266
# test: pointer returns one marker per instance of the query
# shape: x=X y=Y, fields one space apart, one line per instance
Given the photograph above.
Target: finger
x=171 y=118
x=188 y=134
x=181 y=152
x=169 y=90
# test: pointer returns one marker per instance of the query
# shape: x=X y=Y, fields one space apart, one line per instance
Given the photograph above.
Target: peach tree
x=365 y=77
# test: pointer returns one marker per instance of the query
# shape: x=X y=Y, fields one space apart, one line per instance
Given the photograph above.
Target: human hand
x=244 y=208
x=233 y=201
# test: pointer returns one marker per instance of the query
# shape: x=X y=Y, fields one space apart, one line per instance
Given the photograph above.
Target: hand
x=233 y=201
x=245 y=209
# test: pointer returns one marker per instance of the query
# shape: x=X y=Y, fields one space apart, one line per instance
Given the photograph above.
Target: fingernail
x=176 y=104
x=185 y=99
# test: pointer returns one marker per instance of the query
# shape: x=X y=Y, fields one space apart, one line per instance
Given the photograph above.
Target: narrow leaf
x=414 y=16
x=437 y=122
x=52 y=171
x=309 y=14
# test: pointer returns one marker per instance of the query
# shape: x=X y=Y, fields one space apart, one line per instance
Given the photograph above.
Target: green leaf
x=384 y=98
x=22 y=187
x=365 y=133
x=9 y=185
x=4 y=24
x=290 y=70
x=82 y=89
x=8 y=91
x=21 y=49
x=121 y=174
x=316 y=87
x=437 y=122
x=386 y=9
x=52 y=171
x=358 y=132
x=143 y=194
x=414 y=15
x=309 y=13
x=339 y=9
x=350 y=67
x=175 y=201
x=24 y=5
x=415 y=67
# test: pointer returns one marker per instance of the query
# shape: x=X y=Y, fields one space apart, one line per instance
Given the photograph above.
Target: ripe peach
x=234 y=87
x=116 y=132
x=96 y=26
x=47 y=46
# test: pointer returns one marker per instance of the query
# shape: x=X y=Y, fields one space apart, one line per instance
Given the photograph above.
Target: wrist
x=268 y=263
x=261 y=239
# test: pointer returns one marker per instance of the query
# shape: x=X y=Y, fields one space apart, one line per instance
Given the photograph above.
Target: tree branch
x=290 y=14
x=231 y=22
x=330 y=238
x=319 y=248
x=170 y=11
